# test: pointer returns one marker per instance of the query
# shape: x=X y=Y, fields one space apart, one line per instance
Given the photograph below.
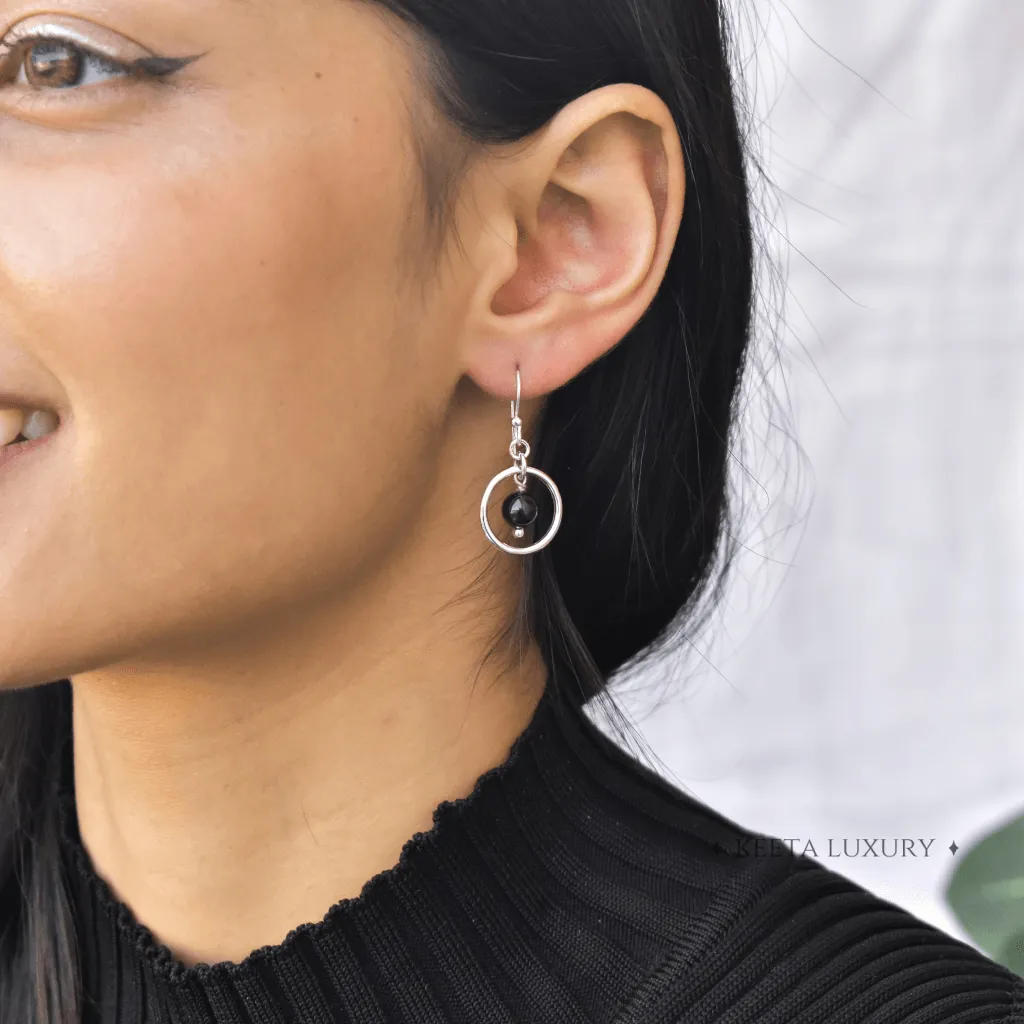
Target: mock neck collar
x=491 y=897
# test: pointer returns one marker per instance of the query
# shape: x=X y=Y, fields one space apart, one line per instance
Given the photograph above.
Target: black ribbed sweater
x=573 y=885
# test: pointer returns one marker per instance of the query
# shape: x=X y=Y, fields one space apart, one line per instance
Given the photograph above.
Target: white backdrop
x=866 y=678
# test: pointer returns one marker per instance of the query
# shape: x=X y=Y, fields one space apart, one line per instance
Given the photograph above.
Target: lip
x=26 y=400
x=12 y=453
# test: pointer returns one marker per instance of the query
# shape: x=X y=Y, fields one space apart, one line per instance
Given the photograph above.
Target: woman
x=366 y=392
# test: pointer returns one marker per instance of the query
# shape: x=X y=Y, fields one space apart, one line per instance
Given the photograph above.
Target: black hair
x=638 y=443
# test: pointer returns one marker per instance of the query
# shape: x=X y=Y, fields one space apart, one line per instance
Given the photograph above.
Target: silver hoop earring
x=519 y=510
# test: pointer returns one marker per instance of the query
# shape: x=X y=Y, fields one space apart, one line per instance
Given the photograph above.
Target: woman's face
x=203 y=278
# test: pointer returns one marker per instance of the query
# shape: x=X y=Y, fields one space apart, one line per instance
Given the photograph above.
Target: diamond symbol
x=953 y=847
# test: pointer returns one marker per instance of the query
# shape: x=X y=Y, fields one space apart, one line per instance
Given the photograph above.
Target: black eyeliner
x=159 y=67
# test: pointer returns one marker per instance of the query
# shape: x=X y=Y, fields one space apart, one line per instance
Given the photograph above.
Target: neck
x=227 y=796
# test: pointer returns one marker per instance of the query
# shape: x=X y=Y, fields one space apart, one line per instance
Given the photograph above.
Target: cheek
x=226 y=328
x=228 y=257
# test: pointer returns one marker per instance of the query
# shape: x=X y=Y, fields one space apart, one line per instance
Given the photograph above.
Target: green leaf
x=986 y=893
x=1012 y=954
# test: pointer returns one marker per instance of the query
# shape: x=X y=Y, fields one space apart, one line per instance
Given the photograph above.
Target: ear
x=571 y=236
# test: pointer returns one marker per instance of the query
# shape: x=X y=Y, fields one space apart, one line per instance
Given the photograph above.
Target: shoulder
x=793 y=941
x=778 y=938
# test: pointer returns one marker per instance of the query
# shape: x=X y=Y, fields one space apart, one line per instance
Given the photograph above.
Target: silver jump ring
x=555 y=522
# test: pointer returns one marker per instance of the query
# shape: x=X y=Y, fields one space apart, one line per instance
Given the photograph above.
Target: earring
x=519 y=510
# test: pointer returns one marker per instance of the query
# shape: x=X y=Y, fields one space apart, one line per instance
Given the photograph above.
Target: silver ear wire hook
x=520 y=509
x=519 y=449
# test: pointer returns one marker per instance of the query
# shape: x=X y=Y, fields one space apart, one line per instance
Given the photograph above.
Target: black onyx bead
x=519 y=509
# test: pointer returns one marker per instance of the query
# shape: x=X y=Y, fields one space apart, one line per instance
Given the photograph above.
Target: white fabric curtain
x=866 y=677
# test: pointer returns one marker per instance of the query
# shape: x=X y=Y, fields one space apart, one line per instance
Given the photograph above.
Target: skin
x=249 y=545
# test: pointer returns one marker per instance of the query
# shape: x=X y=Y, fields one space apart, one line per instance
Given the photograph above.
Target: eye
x=50 y=63
x=50 y=58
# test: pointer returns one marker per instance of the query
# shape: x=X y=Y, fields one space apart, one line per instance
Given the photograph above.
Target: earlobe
x=592 y=246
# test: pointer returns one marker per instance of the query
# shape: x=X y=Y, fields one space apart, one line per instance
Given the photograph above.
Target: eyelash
x=144 y=68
